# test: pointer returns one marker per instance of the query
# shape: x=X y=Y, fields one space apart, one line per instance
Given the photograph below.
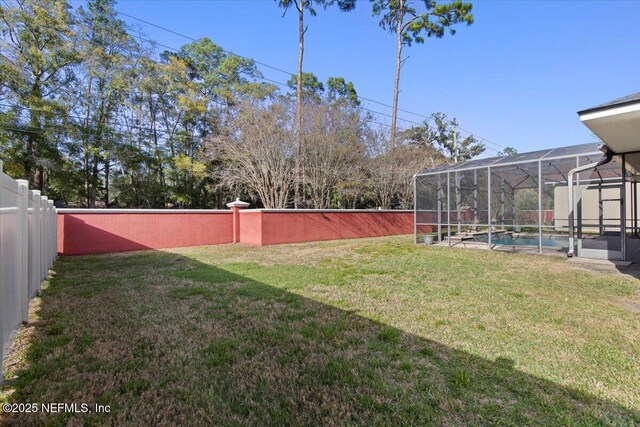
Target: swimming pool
x=502 y=238
x=531 y=241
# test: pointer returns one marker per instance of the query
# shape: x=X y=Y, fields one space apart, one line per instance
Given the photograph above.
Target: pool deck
x=633 y=246
x=533 y=250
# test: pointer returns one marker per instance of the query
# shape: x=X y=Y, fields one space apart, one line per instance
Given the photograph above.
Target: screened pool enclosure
x=522 y=201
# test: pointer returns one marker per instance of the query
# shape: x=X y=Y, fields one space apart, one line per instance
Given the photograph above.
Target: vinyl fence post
x=55 y=232
x=43 y=235
x=51 y=241
x=37 y=231
x=23 y=221
x=34 y=243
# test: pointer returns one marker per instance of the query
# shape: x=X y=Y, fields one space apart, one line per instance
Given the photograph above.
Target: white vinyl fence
x=28 y=247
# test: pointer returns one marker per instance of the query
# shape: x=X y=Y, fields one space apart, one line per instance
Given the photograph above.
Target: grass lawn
x=372 y=331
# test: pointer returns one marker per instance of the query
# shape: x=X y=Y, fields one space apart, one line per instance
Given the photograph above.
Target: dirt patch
x=632 y=306
x=15 y=359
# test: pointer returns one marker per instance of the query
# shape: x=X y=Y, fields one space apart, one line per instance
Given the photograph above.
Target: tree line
x=91 y=115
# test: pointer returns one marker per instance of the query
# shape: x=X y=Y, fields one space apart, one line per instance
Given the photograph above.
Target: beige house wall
x=590 y=209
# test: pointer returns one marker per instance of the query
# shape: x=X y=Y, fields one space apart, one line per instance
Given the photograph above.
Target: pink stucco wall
x=86 y=231
x=102 y=231
x=251 y=227
x=293 y=226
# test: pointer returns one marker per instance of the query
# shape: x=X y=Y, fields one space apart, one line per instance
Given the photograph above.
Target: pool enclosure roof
x=590 y=149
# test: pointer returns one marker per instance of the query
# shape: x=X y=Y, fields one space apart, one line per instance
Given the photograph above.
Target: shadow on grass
x=165 y=339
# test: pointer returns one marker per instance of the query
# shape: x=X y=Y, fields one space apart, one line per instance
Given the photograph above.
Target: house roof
x=616 y=123
x=620 y=102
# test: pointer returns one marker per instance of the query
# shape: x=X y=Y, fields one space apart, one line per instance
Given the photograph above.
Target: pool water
x=531 y=241
x=502 y=238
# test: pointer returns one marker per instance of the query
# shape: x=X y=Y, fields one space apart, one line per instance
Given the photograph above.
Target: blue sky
x=516 y=77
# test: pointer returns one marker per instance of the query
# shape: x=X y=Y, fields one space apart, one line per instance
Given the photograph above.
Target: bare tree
x=352 y=192
x=333 y=146
x=257 y=152
x=391 y=171
x=380 y=169
x=301 y=6
x=412 y=160
x=382 y=177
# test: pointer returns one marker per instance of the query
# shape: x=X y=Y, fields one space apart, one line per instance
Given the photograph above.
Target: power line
x=279 y=83
x=160 y=132
x=195 y=40
x=285 y=85
x=427 y=118
x=111 y=123
x=360 y=97
x=290 y=74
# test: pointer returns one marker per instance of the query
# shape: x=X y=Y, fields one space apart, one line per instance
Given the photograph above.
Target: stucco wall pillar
x=235 y=208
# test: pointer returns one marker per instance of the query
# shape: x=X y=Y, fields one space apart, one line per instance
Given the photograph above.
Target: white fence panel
x=28 y=239
x=34 y=242
x=10 y=251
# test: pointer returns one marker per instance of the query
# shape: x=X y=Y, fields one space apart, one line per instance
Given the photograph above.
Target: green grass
x=363 y=332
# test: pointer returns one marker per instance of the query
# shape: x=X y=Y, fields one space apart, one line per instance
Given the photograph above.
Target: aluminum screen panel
x=591 y=149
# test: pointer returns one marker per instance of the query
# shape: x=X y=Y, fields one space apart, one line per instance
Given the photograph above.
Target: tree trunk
x=219 y=198
x=34 y=139
x=85 y=144
x=396 y=87
x=28 y=168
x=135 y=189
x=85 y=169
x=94 y=182
x=297 y=179
x=38 y=181
x=107 y=167
x=156 y=153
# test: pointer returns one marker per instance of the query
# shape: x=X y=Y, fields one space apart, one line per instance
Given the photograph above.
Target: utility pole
x=455 y=145
x=297 y=192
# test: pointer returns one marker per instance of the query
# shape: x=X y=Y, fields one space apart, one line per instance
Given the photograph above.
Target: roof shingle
x=625 y=100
